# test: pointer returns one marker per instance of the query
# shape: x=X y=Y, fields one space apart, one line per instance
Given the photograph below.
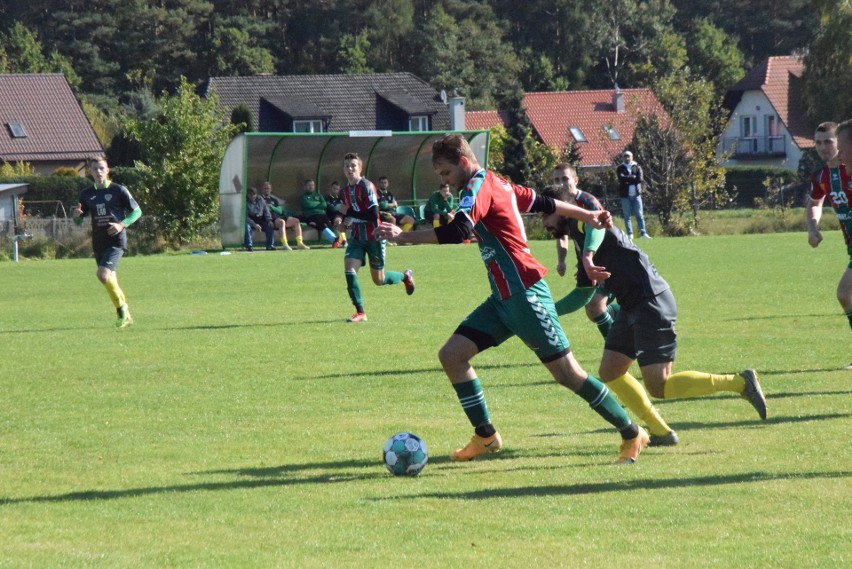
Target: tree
x=714 y=56
x=242 y=119
x=22 y=52
x=678 y=154
x=181 y=151
x=516 y=163
x=827 y=80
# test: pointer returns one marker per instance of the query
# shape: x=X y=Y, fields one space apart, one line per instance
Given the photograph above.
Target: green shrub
x=46 y=193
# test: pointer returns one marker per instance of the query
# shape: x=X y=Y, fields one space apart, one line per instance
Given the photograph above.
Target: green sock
x=354 y=290
x=604 y=403
x=473 y=402
x=604 y=323
x=393 y=277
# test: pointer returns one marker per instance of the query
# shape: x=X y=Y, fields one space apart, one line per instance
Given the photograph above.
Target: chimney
x=618 y=100
x=456 y=113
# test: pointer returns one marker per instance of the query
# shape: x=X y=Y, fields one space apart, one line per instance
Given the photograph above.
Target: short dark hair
x=555 y=191
x=827 y=126
x=382 y=178
x=352 y=156
x=452 y=147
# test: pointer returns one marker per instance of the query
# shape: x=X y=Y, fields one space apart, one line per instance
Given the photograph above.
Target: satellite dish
x=443 y=96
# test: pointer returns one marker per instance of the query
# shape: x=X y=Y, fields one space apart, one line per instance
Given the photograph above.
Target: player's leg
x=598 y=311
x=353 y=261
x=481 y=330
x=280 y=226
x=619 y=354
x=107 y=265
x=656 y=343
x=381 y=277
x=533 y=318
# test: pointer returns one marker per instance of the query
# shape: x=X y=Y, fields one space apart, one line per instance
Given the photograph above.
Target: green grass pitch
x=240 y=421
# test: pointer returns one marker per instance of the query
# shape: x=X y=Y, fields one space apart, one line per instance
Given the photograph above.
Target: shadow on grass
x=436 y=369
x=780 y=420
x=621 y=486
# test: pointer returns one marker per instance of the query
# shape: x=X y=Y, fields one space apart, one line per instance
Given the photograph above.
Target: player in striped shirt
x=520 y=304
x=834 y=181
x=359 y=204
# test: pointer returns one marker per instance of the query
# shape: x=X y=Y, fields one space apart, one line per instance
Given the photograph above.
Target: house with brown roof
x=767 y=125
x=43 y=123
x=334 y=103
x=600 y=122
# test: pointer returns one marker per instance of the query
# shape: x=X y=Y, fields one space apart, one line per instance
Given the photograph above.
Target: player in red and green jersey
x=359 y=204
x=520 y=304
x=644 y=328
x=832 y=180
x=112 y=209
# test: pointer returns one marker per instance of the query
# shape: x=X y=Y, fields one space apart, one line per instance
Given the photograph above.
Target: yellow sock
x=114 y=291
x=407 y=226
x=284 y=238
x=633 y=395
x=298 y=239
x=696 y=383
x=436 y=223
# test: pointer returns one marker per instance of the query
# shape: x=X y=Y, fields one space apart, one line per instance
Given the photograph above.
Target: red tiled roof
x=48 y=111
x=780 y=79
x=553 y=114
x=483 y=120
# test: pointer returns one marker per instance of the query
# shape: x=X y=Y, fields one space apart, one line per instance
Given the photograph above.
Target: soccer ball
x=405 y=454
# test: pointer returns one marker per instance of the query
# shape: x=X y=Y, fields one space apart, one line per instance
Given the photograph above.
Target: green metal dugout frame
x=288 y=159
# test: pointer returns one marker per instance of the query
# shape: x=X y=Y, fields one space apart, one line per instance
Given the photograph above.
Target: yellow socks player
x=407 y=227
x=634 y=397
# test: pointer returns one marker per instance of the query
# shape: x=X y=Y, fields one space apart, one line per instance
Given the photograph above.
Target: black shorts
x=646 y=333
x=108 y=257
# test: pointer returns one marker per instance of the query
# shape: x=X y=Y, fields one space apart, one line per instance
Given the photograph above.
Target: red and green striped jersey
x=494 y=207
x=360 y=197
x=836 y=183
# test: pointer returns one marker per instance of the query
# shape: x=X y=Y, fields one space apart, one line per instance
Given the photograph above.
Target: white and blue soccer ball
x=405 y=454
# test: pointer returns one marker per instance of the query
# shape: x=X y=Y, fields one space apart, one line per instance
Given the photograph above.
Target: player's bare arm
x=599 y=219
x=814 y=213
x=594 y=272
x=394 y=233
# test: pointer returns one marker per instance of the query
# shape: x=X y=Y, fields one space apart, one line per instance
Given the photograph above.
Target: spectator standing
x=630 y=186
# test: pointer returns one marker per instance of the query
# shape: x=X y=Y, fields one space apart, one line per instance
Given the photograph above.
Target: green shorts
x=530 y=315
x=372 y=248
x=646 y=333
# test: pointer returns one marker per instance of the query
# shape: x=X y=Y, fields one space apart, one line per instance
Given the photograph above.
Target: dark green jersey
x=111 y=203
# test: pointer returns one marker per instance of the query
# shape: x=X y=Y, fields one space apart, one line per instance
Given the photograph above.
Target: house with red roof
x=43 y=124
x=767 y=125
x=600 y=122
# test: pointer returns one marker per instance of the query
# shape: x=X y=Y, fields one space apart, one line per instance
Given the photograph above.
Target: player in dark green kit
x=644 y=328
x=112 y=209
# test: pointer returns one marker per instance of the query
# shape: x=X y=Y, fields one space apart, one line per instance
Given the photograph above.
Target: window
x=611 y=132
x=418 y=123
x=307 y=126
x=577 y=134
x=771 y=125
x=17 y=130
x=748 y=126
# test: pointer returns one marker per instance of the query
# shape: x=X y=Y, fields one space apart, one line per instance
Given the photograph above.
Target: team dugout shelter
x=286 y=160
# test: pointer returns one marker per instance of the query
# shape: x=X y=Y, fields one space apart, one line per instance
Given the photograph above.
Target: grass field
x=240 y=421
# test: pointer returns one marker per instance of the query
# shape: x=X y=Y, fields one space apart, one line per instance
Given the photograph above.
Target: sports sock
x=407 y=226
x=600 y=398
x=574 y=300
x=354 y=290
x=284 y=237
x=603 y=322
x=393 y=277
x=329 y=235
x=849 y=316
x=436 y=223
x=298 y=239
x=115 y=293
x=685 y=384
x=472 y=400
x=633 y=395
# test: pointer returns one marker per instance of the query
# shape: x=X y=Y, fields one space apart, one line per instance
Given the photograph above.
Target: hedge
x=748 y=181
